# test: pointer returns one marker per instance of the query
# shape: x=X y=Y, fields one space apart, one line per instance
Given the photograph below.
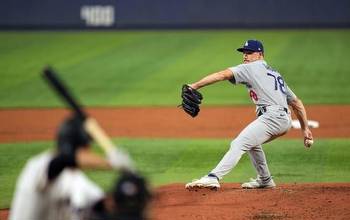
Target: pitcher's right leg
x=253 y=135
x=258 y=159
x=264 y=178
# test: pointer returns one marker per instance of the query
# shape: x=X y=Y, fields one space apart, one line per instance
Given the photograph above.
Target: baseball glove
x=191 y=99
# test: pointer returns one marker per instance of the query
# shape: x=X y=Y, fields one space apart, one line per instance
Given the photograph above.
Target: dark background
x=41 y=14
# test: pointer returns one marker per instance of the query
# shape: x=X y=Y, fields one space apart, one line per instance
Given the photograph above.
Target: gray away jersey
x=266 y=86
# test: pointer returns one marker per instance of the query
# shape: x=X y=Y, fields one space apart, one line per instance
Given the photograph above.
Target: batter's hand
x=308 y=139
x=120 y=160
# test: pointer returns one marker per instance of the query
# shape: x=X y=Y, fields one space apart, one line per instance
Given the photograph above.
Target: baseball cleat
x=258 y=184
x=204 y=182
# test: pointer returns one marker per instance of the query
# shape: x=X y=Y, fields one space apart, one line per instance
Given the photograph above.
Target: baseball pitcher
x=271 y=95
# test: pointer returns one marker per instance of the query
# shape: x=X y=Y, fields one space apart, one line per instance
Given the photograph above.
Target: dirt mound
x=287 y=201
x=3 y=214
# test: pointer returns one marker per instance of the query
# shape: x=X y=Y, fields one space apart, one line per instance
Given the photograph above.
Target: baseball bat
x=63 y=91
x=90 y=124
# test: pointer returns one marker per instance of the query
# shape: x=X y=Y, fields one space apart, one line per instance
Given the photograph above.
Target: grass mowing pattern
x=145 y=68
x=165 y=161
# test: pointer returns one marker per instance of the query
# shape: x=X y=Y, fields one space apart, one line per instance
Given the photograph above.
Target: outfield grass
x=165 y=161
x=147 y=68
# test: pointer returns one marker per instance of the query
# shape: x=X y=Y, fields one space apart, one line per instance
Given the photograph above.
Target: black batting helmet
x=71 y=135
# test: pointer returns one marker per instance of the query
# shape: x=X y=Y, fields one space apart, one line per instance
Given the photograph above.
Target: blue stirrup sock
x=213 y=175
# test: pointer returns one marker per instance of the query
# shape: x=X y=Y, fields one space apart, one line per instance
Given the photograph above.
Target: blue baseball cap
x=252 y=45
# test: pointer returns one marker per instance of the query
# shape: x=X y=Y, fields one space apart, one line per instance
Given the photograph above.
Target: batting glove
x=120 y=160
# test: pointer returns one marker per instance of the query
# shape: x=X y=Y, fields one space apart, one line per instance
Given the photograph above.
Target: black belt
x=263 y=109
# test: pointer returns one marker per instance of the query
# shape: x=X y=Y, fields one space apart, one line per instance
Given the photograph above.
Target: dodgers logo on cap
x=252 y=45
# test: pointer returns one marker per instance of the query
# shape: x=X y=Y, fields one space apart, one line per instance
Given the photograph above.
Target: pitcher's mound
x=287 y=201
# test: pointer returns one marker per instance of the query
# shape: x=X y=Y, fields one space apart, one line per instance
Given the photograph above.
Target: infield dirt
x=169 y=122
x=287 y=201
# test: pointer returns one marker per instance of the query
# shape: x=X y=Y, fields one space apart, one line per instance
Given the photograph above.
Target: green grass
x=147 y=68
x=165 y=161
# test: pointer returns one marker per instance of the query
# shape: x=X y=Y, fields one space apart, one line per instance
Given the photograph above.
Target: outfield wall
x=121 y=14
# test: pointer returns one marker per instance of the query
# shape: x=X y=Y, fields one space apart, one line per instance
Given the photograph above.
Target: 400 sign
x=98 y=15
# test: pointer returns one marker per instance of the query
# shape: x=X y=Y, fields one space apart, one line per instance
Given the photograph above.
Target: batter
x=272 y=96
x=52 y=185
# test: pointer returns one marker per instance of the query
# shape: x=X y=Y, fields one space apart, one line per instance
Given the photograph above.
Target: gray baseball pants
x=273 y=123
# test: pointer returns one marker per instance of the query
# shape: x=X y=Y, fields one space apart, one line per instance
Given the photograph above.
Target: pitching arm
x=299 y=110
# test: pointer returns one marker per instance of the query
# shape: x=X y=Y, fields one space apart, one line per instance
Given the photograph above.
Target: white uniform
x=36 y=199
x=271 y=95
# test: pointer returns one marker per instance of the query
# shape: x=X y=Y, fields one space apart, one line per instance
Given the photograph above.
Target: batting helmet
x=71 y=135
